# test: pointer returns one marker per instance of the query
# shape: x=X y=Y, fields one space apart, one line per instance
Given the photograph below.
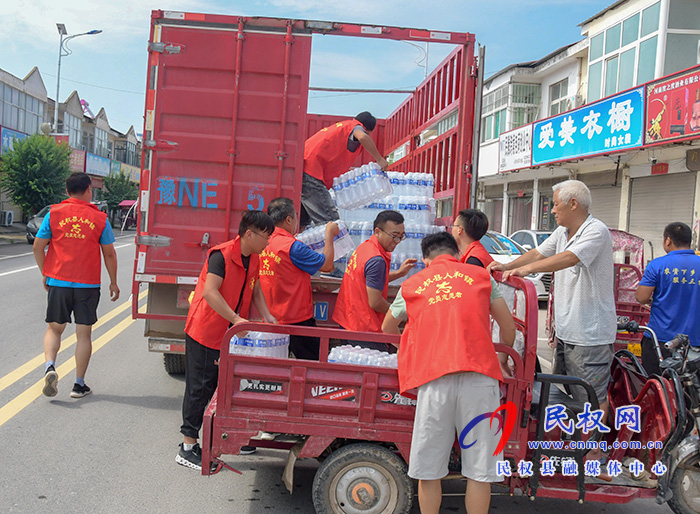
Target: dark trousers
x=650 y=360
x=201 y=377
x=305 y=347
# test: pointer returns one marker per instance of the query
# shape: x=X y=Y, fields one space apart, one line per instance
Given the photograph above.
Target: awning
x=127 y=203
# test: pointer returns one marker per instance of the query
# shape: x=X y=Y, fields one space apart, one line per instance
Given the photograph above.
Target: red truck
x=225 y=124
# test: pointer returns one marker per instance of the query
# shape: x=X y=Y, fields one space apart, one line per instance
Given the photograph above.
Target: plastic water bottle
x=342 y=243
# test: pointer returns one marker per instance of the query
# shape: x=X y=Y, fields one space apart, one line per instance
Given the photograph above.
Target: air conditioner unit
x=578 y=100
x=6 y=218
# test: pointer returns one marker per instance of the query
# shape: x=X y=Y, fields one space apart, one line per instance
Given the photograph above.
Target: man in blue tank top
x=674 y=281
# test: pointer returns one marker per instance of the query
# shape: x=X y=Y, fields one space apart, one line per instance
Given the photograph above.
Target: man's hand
x=517 y=272
x=505 y=367
x=239 y=320
x=114 y=291
x=383 y=163
x=43 y=280
x=332 y=229
x=495 y=266
x=406 y=267
x=270 y=319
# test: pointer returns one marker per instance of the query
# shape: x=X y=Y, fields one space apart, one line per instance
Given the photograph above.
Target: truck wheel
x=362 y=479
x=174 y=363
x=685 y=485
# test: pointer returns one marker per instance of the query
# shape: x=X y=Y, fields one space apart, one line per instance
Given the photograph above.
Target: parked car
x=504 y=250
x=530 y=239
x=34 y=223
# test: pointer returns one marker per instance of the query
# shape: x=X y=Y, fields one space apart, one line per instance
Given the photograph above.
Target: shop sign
x=8 y=137
x=77 y=160
x=659 y=169
x=692 y=160
x=96 y=165
x=515 y=149
x=673 y=107
x=612 y=124
x=115 y=167
x=131 y=171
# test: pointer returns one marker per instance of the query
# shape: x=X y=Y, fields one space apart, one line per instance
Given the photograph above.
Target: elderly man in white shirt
x=580 y=254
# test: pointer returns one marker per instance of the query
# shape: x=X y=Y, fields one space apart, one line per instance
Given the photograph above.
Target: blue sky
x=109 y=70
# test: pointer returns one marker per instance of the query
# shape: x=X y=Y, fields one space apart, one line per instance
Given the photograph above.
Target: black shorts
x=82 y=302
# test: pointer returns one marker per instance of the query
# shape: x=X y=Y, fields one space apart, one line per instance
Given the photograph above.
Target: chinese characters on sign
x=615 y=123
x=673 y=108
x=515 y=149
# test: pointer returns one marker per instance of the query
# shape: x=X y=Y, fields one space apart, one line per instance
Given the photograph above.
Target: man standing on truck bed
x=285 y=275
x=77 y=231
x=673 y=280
x=362 y=299
x=446 y=352
x=226 y=287
x=328 y=154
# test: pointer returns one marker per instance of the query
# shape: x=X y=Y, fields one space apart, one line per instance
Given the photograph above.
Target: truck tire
x=362 y=478
x=174 y=363
x=685 y=485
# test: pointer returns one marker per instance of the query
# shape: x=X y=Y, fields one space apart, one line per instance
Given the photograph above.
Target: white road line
x=122 y=246
x=15 y=256
x=17 y=271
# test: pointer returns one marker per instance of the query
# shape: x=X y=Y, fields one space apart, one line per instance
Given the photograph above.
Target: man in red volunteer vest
x=227 y=285
x=446 y=352
x=469 y=227
x=362 y=299
x=328 y=154
x=286 y=266
x=77 y=231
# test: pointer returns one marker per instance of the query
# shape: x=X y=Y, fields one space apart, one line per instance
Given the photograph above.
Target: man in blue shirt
x=71 y=269
x=674 y=281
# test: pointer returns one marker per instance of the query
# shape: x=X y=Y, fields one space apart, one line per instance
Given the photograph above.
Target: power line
x=141 y=93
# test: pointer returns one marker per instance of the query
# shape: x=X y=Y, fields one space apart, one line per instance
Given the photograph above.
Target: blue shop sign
x=616 y=123
x=97 y=165
x=8 y=137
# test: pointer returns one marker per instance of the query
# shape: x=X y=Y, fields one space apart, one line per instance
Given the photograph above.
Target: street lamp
x=63 y=50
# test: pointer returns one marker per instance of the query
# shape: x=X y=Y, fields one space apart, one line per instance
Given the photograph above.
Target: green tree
x=117 y=188
x=34 y=172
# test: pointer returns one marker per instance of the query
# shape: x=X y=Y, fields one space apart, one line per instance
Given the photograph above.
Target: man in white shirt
x=579 y=252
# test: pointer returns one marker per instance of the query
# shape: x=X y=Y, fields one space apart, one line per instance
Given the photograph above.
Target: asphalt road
x=114 y=451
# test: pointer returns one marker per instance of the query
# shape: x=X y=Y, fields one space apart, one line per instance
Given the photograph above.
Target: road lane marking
x=15 y=256
x=24 y=369
x=16 y=405
x=123 y=246
x=18 y=270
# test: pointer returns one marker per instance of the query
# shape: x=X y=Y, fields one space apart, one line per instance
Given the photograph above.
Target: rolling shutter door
x=656 y=202
x=606 y=204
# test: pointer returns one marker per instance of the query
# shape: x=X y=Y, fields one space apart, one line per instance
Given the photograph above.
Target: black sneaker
x=190 y=458
x=247 y=450
x=50 y=382
x=79 y=391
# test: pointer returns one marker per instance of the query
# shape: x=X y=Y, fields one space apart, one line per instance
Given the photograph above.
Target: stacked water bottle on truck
x=362 y=193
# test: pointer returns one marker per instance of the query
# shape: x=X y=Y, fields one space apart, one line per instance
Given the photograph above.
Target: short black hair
x=77 y=183
x=368 y=121
x=474 y=222
x=256 y=219
x=279 y=208
x=384 y=216
x=680 y=234
x=438 y=244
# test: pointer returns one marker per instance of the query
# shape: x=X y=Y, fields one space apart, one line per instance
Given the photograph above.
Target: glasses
x=397 y=239
x=265 y=237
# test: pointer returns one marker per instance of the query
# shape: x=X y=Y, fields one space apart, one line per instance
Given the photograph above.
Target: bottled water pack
x=315 y=238
x=363 y=356
x=360 y=186
x=261 y=344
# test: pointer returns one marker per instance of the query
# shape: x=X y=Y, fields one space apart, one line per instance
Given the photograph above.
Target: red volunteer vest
x=448 y=327
x=287 y=289
x=204 y=325
x=74 y=252
x=326 y=153
x=352 y=310
x=476 y=249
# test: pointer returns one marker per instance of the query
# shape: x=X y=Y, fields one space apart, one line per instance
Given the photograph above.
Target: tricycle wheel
x=685 y=484
x=174 y=363
x=362 y=479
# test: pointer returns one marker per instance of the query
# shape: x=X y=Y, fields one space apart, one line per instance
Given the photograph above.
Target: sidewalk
x=17 y=233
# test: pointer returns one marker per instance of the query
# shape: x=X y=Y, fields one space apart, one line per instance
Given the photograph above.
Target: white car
x=505 y=250
x=530 y=239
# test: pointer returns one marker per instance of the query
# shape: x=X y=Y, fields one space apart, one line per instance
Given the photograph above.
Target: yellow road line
x=13 y=407
x=24 y=369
